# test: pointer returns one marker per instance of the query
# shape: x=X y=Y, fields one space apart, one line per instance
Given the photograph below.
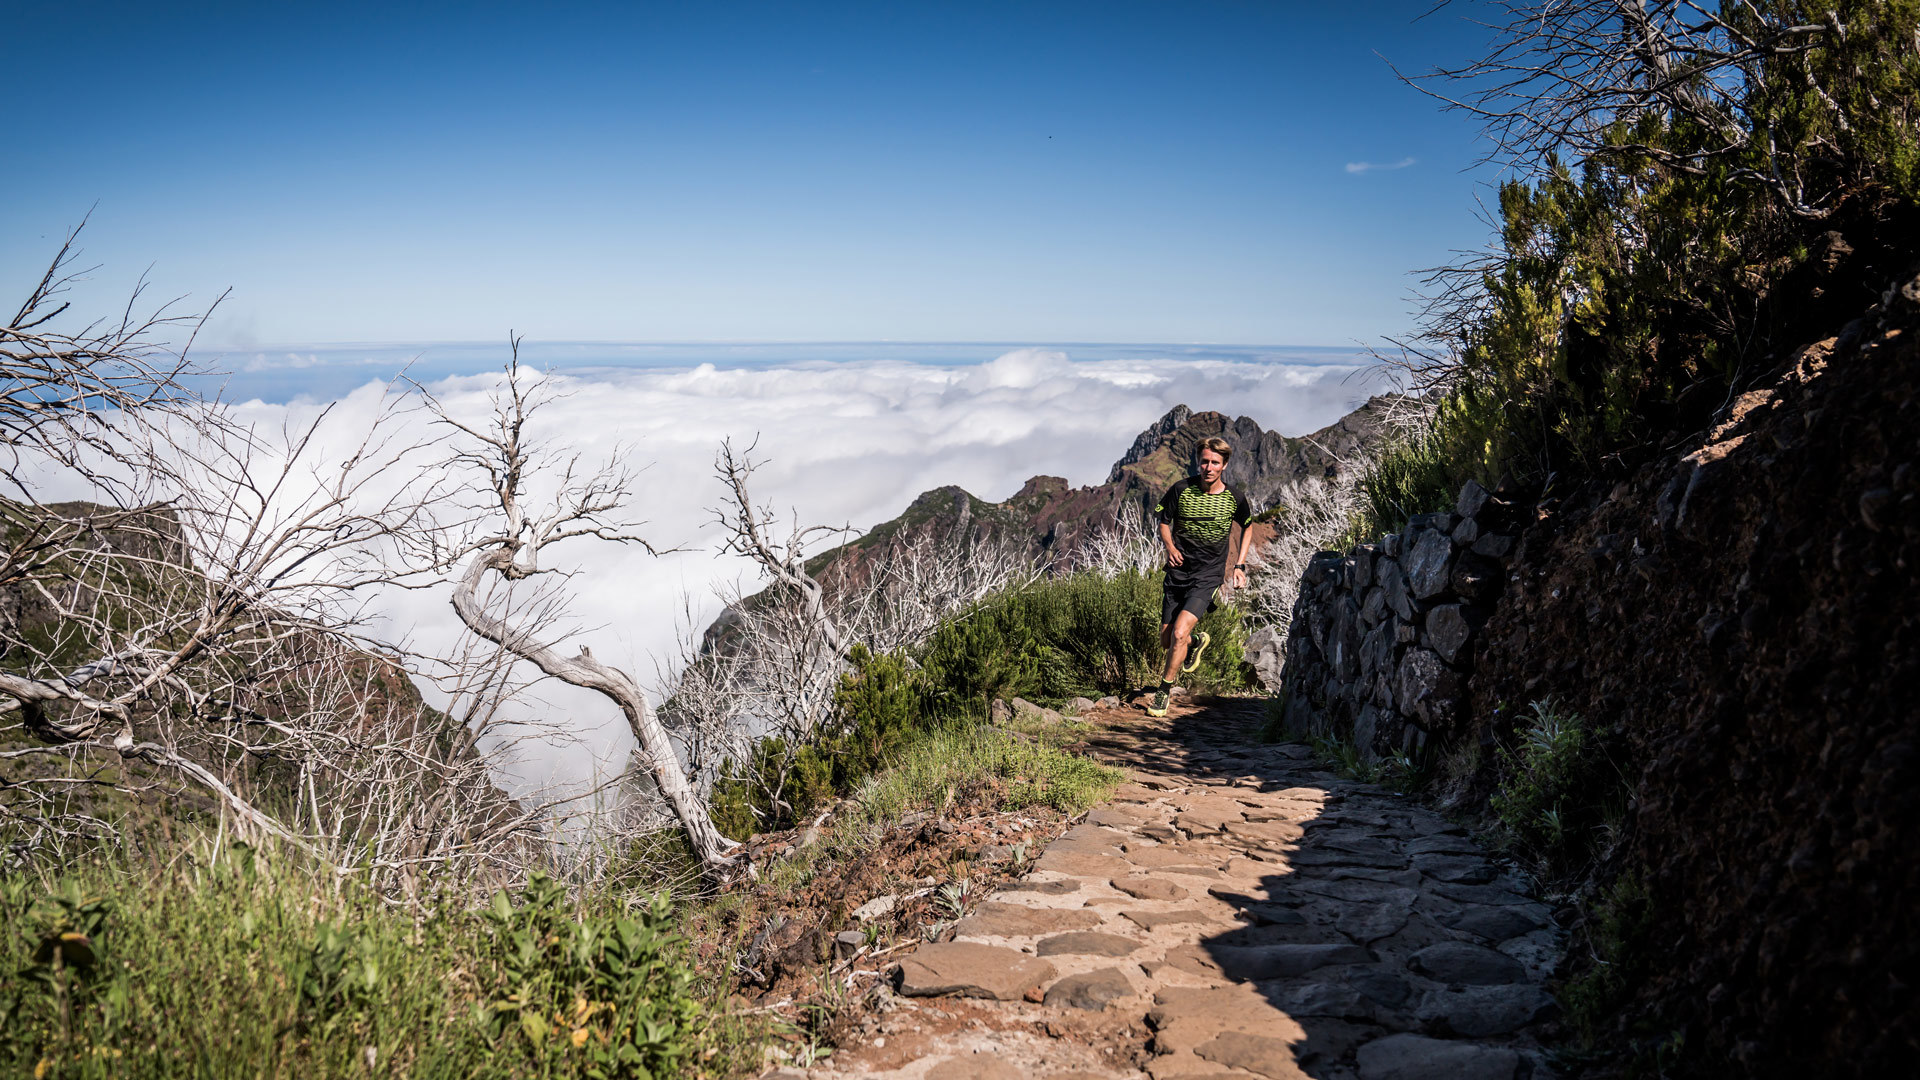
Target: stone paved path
x=1234 y=911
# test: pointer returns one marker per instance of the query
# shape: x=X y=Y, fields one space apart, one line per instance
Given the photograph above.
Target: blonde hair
x=1219 y=446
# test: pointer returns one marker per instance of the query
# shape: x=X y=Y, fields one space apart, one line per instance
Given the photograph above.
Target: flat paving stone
x=1151 y=920
x=1468 y=964
x=1087 y=943
x=1259 y=1054
x=1416 y=1057
x=1284 y=961
x=968 y=969
x=1346 y=934
x=998 y=919
x=1149 y=888
x=1092 y=991
x=1479 y=1011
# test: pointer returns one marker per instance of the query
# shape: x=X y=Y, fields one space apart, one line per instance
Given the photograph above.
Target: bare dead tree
x=502 y=536
x=140 y=624
x=901 y=593
x=1572 y=78
x=1124 y=544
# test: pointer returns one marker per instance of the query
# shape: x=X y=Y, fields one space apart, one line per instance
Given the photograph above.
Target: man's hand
x=1239 y=578
x=1174 y=558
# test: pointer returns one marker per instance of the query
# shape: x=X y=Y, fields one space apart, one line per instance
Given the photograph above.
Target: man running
x=1200 y=519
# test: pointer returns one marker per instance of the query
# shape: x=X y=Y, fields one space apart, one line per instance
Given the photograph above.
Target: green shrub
x=1559 y=791
x=1619 y=931
x=228 y=963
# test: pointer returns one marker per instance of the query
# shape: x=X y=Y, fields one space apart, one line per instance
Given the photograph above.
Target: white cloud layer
x=844 y=443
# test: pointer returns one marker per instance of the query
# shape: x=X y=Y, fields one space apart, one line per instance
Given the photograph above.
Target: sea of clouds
x=844 y=442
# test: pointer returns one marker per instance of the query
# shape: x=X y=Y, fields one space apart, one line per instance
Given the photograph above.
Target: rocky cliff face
x=1055 y=519
x=1740 y=617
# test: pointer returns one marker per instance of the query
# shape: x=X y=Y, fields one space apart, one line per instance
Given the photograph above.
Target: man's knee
x=1183 y=631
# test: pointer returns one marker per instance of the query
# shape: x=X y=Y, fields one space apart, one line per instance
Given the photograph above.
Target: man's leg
x=1178 y=638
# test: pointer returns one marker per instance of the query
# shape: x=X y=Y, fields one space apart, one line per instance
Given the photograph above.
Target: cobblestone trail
x=1235 y=911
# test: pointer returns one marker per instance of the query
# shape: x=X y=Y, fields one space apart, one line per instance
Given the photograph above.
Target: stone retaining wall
x=1381 y=648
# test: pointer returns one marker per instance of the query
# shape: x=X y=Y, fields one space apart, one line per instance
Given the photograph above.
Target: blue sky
x=744 y=172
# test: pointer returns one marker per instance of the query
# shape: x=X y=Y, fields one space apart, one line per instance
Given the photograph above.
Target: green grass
x=1031 y=765
x=228 y=962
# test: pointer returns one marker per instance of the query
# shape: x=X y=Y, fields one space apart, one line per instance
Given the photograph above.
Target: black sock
x=1166 y=685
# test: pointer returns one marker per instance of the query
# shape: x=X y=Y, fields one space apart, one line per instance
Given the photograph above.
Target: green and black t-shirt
x=1202 y=525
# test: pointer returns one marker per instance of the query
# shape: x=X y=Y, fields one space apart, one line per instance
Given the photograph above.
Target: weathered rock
x=1371 y=922
x=1479 y=1011
x=1266 y=832
x=997 y=919
x=1082 y=864
x=1087 y=943
x=1045 y=888
x=848 y=942
x=1080 y=705
x=1381 y=987
x=1416 y=1057
x=1260 y=1054
x=1472 y=965
x=1373 y=609
x=1482 y=894
x=1465 y=533
x=1148 y=888
x=1442 y=844
x=999 y=712
x=969 y=969
x=1472 y=499
x=1192 y=959
x=1164 y=855
x=1287 y=961
x=875 y=908
x=1183 y=1019
x=1466 y=869
x=1428 y=690
x=1394 y=587
x=1266 y=652
x=1430 y=565
x=1148 y=920
x=1318 y=995
x=1093 y=991
x=1495 y=924
x=1448 y=631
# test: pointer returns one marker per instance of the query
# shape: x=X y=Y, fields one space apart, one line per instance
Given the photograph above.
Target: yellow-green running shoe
x=1202 y=639
x=1158 y=706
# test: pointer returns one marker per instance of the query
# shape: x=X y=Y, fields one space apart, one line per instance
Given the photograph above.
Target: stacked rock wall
x=1382 y=639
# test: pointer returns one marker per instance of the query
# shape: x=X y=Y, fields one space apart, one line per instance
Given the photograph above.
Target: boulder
x=1429 y=565
x=1472 y=498
x=1393 y=586
x=1448 y=631
x=1428 y=690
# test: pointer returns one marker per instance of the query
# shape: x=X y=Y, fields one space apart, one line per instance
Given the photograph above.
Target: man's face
x=1211 y=465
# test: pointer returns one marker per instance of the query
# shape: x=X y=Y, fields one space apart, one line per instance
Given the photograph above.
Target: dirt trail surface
x=1234 y=911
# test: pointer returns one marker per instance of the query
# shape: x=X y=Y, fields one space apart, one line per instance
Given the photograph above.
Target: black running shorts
x=1175 y=599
